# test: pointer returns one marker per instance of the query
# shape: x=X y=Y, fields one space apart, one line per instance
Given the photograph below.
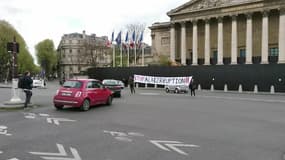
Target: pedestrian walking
x=131 y=83
x=27 y=87
x=192 y=87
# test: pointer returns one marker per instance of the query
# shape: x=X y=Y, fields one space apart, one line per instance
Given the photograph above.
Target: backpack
x=21 y=82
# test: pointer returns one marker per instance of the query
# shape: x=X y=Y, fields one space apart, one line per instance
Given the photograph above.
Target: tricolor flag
x=140 y=40
x=119 y=38
x=133 y=39
x=126 y=40
x=109 y=43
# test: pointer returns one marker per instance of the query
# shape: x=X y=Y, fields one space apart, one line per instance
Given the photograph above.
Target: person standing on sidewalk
x=27 y=87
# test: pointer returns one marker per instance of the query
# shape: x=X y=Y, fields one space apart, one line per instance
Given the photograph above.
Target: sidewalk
x=3 y=85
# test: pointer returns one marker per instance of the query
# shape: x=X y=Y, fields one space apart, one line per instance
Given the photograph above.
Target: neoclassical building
x=218 y=32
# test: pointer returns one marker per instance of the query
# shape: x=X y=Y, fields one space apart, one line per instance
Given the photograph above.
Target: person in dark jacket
x=131 y=83
x=27 y=87
x=192 y=87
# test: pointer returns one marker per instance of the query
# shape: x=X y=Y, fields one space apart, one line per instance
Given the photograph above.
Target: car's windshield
x=72 y=84
x=110 y=82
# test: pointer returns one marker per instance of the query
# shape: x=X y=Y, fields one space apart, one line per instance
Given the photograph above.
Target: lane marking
x=167 y=145
x=149 y=94
x=61 y=155
x=125 y=139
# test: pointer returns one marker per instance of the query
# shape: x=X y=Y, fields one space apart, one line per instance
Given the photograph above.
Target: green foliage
x=25 y=60
x=46 y=55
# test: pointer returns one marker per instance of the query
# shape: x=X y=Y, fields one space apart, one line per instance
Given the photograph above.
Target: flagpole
x=128 y=50
x=135 y=53
x=121 y=55
x=114 y=56
x=142 y=55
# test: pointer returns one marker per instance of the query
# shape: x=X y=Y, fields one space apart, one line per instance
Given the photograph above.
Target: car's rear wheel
x=176 y=90
x=59 y=107
x=167 y=90
x=109 y=100
x=86 y=105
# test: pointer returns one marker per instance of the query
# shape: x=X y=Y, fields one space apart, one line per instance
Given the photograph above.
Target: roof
x=197 y=5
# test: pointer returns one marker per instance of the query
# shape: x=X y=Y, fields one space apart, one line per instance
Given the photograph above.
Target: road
x=150 y=125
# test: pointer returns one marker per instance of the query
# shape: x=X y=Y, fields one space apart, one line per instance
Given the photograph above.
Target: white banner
x=162 y=80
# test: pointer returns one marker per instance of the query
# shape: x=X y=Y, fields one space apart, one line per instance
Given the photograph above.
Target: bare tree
x=138 y=28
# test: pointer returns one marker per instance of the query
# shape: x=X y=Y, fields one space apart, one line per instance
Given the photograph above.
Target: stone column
x=172 y=42
x=248 y=58
x=281 y=58
x=207 y=42
x=183 y=43
x=264 y=52
x=220 y=41
x=195 y=43
x=234 y=40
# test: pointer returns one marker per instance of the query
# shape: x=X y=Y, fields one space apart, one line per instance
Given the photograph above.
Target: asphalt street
x=149 y=125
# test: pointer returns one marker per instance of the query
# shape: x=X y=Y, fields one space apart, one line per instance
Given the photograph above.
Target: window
x=273 y=52
x=70 y=41
x=165 y=41
x=70 y=51
x=242 y=53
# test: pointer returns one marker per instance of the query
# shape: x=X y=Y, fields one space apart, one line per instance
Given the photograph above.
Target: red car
x=82 y=93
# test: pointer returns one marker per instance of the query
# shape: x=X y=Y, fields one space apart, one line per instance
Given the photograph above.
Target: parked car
x=82 y=93
x=121 y=83
x=38 y=83
x=114 y=86
x=177 y=88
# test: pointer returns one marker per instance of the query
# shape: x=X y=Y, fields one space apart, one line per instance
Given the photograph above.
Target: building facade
x=219 y=32
x=78 y=52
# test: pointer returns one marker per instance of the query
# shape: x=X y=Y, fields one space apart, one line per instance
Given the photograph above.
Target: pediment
x=196 y=5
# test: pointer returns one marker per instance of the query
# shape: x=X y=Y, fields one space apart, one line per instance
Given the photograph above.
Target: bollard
x=145 y=85
x=226 y=88
x=255 y=90
x=155 y=85
x=137 y=85
x=272 y=89
x=240 y=88
x=212 y=87
x=199 y=87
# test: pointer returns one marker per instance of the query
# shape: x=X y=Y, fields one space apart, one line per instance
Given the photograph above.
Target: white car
x=38 y=83
x=177 y=88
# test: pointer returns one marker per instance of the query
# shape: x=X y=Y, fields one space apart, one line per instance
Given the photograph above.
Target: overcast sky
x=37 y=20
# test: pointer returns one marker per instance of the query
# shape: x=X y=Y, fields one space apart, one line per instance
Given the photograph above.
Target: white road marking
x=30 y=115
x=44 y=115
x=4 y=131
x=13 y=159
x=1 y=152
x=135 y=134
x=172 y=145
x=62 y=155
x=114 y=133
x=126 y=139
x=57 y=120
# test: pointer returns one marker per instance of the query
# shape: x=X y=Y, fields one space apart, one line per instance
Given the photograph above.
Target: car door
x=99 y=91
x=92 y=92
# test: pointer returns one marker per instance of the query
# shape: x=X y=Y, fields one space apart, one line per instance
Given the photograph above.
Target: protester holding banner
x=192 y=87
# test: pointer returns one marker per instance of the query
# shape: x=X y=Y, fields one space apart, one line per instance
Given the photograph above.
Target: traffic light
x=10 y=47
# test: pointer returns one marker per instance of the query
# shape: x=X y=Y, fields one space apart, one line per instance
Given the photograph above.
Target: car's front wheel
x=86 y=105
x=167 y=90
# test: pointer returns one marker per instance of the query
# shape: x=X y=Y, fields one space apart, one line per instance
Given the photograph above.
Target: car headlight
x=78 y=94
